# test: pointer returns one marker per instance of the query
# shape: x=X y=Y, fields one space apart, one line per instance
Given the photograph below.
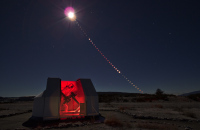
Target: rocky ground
x=161 y=115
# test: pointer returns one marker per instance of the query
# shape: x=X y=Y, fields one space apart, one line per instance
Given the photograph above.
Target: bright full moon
x=70 y=15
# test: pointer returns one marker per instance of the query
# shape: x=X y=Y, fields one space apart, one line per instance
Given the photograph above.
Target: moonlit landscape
x=142 y=57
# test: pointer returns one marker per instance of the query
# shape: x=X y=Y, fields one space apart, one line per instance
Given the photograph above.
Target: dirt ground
x=136 y=116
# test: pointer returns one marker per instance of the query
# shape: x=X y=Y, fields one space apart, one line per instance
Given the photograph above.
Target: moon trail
x=69 y=12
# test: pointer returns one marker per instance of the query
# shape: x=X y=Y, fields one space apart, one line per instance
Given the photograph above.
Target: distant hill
x=118 y=93
x=15 y=99
x=190 y=93
x=111 y=92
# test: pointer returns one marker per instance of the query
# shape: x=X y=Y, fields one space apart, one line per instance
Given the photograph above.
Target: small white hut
x=64 y=99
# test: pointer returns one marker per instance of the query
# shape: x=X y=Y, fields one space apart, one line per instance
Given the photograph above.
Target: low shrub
x=195 y=97
x=2 y=109
x=128 y=125
x=125 y=100
x=122 y=108
x=114 y=122
x=140 y=100
x=189 y=114
x=155 y=126
x=178 y=109
x=157 y=106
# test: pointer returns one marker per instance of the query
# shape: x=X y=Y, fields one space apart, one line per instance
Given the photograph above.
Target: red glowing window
x=72 y=99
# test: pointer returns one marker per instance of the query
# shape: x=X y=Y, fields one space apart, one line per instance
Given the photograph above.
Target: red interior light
x=72 y=99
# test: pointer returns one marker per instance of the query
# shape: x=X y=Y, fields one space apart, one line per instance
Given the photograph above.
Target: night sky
x=154 y=43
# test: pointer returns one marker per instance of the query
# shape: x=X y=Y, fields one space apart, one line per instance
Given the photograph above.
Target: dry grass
x=2 y=109
x=92 y=119
x=108 y=105
x=128 y=125
x=178 y=109
x=155 y=126
x=157 y=106
x=121 y=108
x=114 y=122
x=189 y=114
x=185 y=112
